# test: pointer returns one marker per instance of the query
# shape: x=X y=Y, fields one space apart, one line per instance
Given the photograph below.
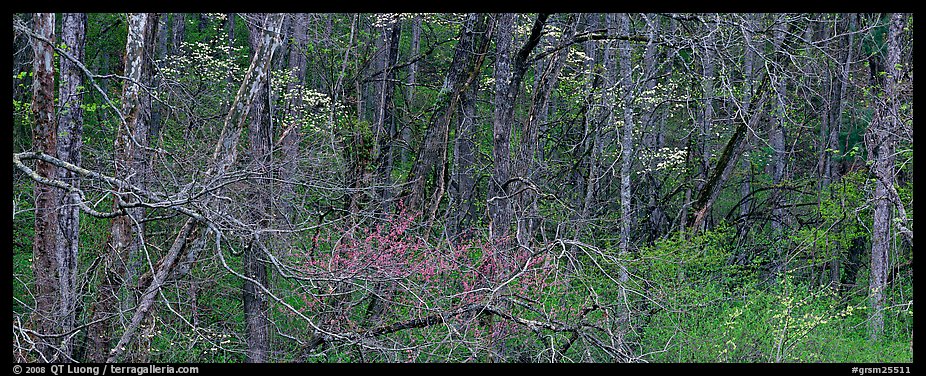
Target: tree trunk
x=292 y=131
x=706 y=120
x=384 y=115
x=130 y=164
x=592 y=113
x=177 y=31
x=655 y=215
x=45 y=265
x=509 y=72
x=777 y=140
x=256 y=308
x=499 y=207
x=880 y=141
x=749 y=61
x=70 y=130
x=415 y=48
x=463 y=182
x=157 y=112
x=627 y=93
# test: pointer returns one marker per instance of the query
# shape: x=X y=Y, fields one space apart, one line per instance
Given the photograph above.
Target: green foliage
x=749 y=321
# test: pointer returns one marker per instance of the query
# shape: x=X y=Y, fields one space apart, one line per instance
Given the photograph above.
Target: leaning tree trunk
x=430 y=163
x=47 y=314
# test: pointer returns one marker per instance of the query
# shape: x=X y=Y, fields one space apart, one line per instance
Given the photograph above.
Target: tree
x=510 y=67
x=46 y=265
x=264 y=33
x=880 y=141
x=70 y=129
x=131 y=150
x=627 y=96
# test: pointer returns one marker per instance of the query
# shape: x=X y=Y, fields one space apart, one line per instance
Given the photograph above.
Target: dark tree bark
x=726 y=161
x=384 y=109
x=157 y=111
x=131 y=163
x=656 y=218
x=431 y=163
x=706 y=115
x=70 y=142
x=177 y=32
x=748 y=77
x=292 y=133
x=45 y=266
x=509 y=72
x=463 y=182
x=592 y=114
x=498 y=204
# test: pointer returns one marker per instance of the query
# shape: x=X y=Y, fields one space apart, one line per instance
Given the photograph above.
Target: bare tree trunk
x=748 y=77
x=627 y=94
x=231 y=45
x=157 y=112
x=45 y=265
x=706 y=118
x=256 y=308
x=839 y=98
x=463 y=182
x=656 y=216
x=509 y=73
x=292 y=131
x=131 y=164
x=592 y=113
x=384 y=115
x=70 y=130
x=415 y=47
x=498 y=206
x=177 y=32
x=880 y=141
x=776 y=138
